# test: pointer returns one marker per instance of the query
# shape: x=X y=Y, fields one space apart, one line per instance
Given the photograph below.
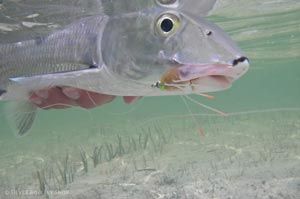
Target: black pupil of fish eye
x=167 y=25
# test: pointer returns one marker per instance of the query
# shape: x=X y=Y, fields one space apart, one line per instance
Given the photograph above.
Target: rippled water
x=152 y=149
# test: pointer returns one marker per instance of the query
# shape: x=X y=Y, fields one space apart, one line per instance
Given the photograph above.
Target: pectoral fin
x=21 y=116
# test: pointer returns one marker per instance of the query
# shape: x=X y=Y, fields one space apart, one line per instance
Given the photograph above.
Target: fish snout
x=239 y=67
x=242 y=59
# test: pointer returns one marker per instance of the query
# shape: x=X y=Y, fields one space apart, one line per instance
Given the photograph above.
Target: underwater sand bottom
x=242 y=157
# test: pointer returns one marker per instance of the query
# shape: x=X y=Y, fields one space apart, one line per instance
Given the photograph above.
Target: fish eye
x=167 y=24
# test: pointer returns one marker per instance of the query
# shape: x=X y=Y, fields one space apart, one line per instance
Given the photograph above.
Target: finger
x=87 y=99
x=51 y=98
x=130 y=99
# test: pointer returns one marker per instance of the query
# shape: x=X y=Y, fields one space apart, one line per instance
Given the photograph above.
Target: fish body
x=124 y=48
x=74 y=48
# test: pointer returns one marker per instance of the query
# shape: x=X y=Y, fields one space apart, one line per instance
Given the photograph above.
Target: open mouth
x=204 y=77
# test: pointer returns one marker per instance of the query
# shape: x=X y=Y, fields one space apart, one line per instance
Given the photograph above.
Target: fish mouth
x=200 y=78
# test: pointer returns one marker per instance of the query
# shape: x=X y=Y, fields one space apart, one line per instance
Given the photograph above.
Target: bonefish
x=122 y=48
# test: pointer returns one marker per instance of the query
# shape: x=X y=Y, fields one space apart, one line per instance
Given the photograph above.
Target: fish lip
x=208 y=77
x=185 y=75
x=231 y=71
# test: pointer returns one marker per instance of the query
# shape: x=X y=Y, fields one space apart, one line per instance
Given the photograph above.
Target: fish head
x=173 y=48
x=205 y=58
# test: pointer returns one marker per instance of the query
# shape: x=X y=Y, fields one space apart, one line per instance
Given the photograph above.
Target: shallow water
x=152 y=148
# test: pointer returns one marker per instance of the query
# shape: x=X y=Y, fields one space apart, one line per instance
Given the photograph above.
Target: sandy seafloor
x=153 y=150
x=254 y=155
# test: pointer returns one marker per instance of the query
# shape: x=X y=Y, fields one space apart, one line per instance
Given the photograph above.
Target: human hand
x=66 y=97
